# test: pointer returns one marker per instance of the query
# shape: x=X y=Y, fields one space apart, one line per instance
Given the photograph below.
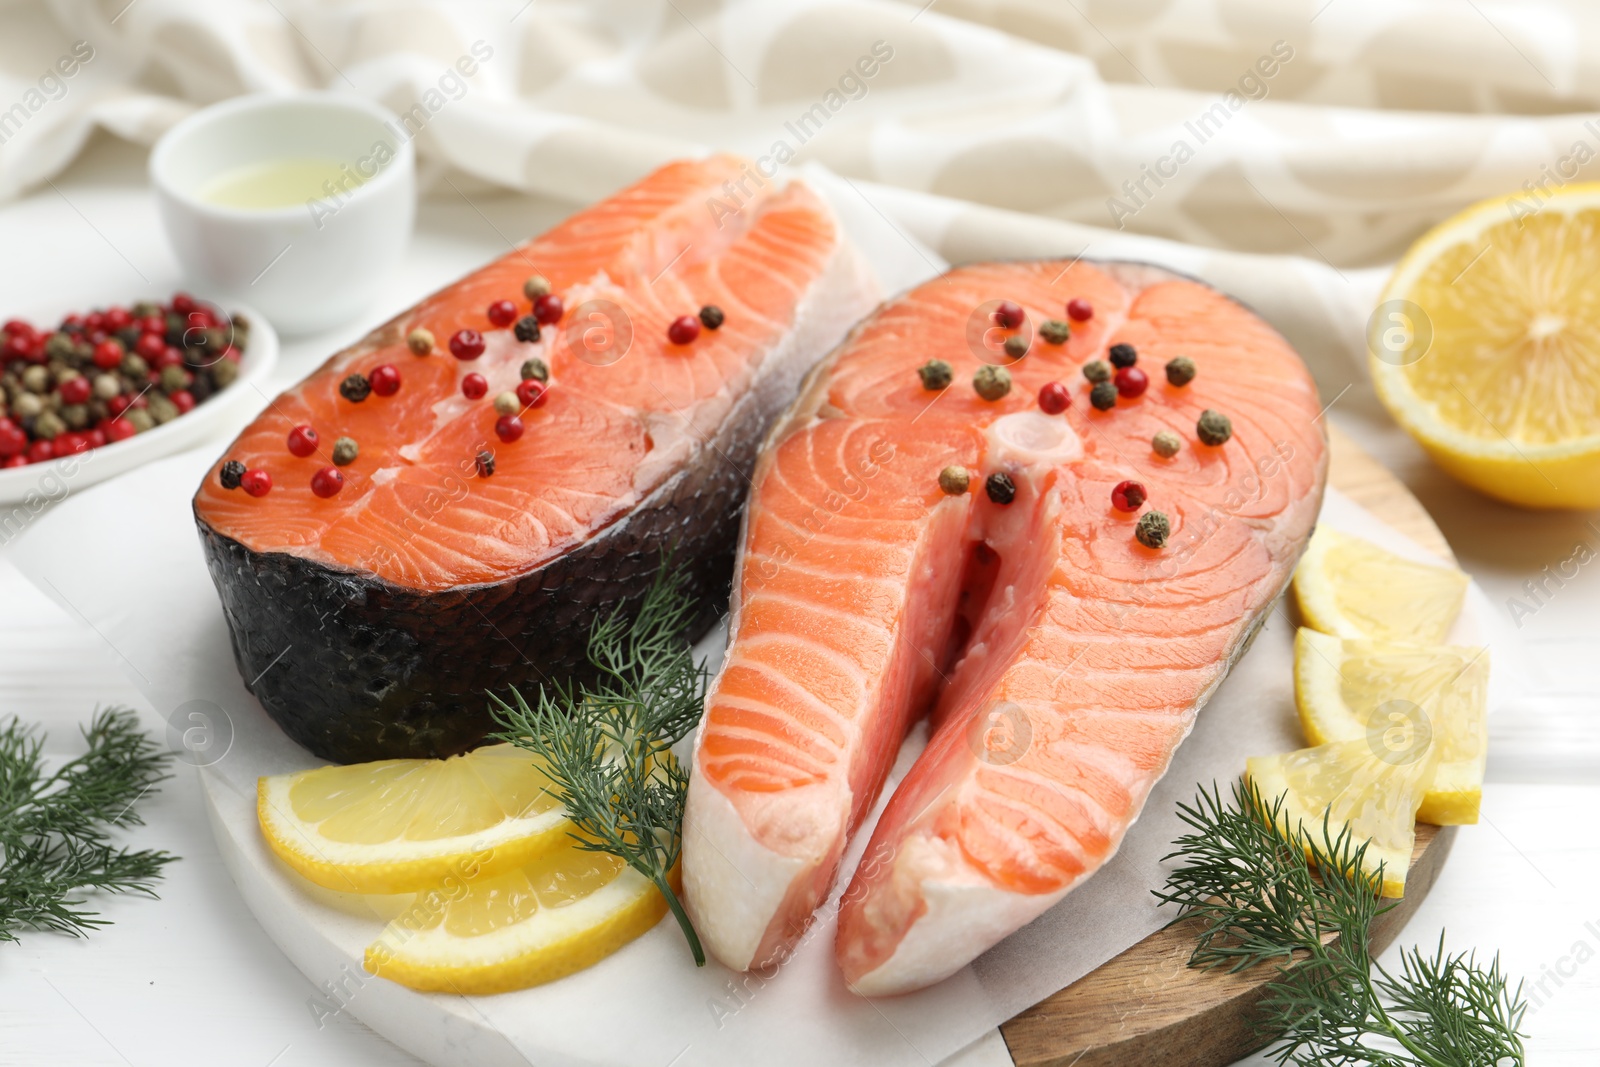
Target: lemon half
x=395 y=826
x=1348 y=690
x=1352 y=588
x=1486 y=346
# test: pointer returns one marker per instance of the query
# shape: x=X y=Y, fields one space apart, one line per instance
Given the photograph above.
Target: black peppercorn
x=485 y=463
x=1123 y=356
x=231 y=473
x=1000 y=487
x=711 y=317
x=526 y=329
x=355 y=388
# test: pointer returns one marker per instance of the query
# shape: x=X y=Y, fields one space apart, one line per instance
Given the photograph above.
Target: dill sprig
x=55 y=828
x=606 y=745
x=1306 y=905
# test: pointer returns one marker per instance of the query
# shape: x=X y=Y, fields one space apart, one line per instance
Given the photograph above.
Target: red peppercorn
x=182 y=303
x=150 y=345
x=473 y=386
x=1131 y=381
x=509 y=428
x=327 y=481
x=18 y=328
x=384 y=379
x=1054 y=398
x=683 y=330
x=95 y=322
x=17 y=346
x=120 y=429
x=183 y=399
x=303 y=440
x=1079 y=309
x=118 y=404
x=170 y=356
x=548 y=309
x=41 y=450
x=18 y=460
x=1008 y=314
x=232 y=354
x=70 y=444
x=502 y=313
x=13 y=439
x=1128 y=496
x=108 y=354
x=256 y=482
x=118 y=319
x=156 y=324
x=95 y=437
x=532 y=393
x=466 y=344
x=75 y=391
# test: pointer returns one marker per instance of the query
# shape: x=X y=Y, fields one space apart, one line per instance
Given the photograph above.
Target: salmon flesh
x=369 y=624
x=1061 y=660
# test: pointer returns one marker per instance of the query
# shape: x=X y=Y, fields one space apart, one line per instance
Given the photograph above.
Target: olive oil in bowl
x=280 y=183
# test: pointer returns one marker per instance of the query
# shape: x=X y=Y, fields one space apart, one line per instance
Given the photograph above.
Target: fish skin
x=797 y=739
x=366 y=656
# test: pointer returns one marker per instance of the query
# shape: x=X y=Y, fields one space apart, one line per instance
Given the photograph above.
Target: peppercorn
x=1055 y=331
x=48 y=425
x=1214 y=428
x=355 y=388
x=1097 y=371
x=536 y=370
x=992 y=382
x=224 y=373
x=1153 y=529
x=162 y=408
x=76 y=416
x=345 y=451
x=1166 y=444
x=26 y=405
x=420 y=341
x=140 y=418
x=485 y=463
x=526 y=330
x=506 y=403
x=1000 y=487
x=200 y=388
x=954 y=480
x=533 y=289
x=1180 y=371
x=1123 y=356
x=230 y=474
x=711 y=317
x=36 y=379
x=134 y=366
x=935 y=374
x=173 y=378
x=1103 y=396
x=60 y=346
x=1016 y=346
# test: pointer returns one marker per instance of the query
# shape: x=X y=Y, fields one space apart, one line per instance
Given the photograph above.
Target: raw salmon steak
x=1062 y=660
x=370 y=623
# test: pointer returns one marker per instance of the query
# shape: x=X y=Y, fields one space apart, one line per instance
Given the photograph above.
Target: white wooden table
x=192 y=979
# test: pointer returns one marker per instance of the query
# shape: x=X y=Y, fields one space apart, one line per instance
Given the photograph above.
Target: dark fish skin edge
x=377 y=671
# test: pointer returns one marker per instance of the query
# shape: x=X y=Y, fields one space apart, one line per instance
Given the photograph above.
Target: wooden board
x=1147 y=1007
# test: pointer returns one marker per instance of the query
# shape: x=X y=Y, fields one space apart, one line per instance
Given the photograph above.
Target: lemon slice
x=395 y=826
x=1344 y=781
x=563 y=912
x=1486 y=346
x=1352 y=588
x=1348 y=690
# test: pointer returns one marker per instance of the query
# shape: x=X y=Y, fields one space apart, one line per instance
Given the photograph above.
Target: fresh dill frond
x=606 y=745
x=1306 y=905
x=55 y=828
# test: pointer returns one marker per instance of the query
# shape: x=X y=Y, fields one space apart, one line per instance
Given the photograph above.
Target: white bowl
x=309 y=266
x=26 y=491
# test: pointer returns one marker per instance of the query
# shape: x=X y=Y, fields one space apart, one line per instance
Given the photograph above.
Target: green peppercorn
x=76 y=416
x=355 y=388
x=1180 y=371
x=535 y=370
x=140 y=419
x=535 y=287
x=215 y=338
x=231 y=474
x=1103 y=396
x=992 y=382
x=1153 y=529
x=345 y=451
x=954 y=480
x=1214 y=428
x=143 y=309
x=134 y=366
x=1000 y=488
x=506 y=403
x=1055 y=331
x=1016 y=346
x=161 y=409
x=60 y=346
x=935 y=374
x=173 y=378
x=1166 y=444
x=1097 y=371
x=420 y=341
x=224 y=372
x=48 y=424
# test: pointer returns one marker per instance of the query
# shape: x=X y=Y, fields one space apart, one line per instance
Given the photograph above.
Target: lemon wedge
x=1348 y=784
x=1349 y=587
x=1348 y=690
x=1486 y=346
x=563 y=912
x=396 y=826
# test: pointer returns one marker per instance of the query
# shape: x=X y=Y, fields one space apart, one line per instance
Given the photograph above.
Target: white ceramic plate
x=39 y=484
